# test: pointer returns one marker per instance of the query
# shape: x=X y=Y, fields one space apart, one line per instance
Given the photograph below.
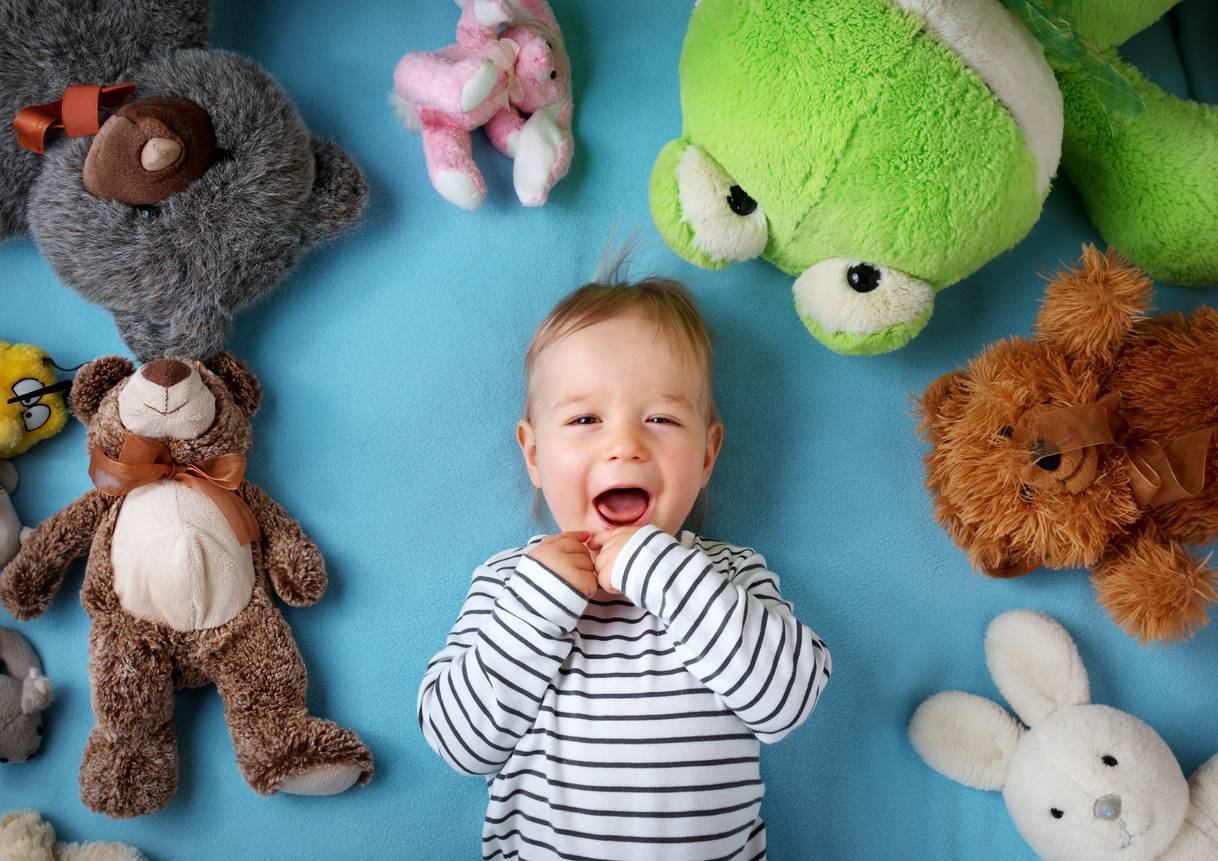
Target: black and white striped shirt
x=623 y=728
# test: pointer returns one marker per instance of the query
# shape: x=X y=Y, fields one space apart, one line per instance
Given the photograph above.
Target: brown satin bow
x=143 y=461
x=1158 y=474
x=77 y=113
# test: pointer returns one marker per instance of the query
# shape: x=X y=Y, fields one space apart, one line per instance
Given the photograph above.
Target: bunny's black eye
x=1055 y=813
x=1109 y=760
x=553 y=74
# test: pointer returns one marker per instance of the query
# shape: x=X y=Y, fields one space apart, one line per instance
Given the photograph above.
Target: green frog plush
x=881 y=150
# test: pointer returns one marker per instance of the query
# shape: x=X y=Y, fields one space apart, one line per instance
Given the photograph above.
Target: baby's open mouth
x=622 y=506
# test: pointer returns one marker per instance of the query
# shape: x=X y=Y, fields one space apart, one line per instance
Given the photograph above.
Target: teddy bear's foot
x=323 y=780
x=124 y=776
x=318 y=758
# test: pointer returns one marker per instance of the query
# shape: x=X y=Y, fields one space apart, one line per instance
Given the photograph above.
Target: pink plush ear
x=540 y=10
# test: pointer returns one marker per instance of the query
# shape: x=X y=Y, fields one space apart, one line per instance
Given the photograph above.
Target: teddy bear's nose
x=1108 y=807
x=165 y=372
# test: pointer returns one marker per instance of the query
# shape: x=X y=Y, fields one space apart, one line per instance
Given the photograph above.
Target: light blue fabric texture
x=392 y=366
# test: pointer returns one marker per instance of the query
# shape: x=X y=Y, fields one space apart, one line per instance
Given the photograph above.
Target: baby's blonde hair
x=664 y=301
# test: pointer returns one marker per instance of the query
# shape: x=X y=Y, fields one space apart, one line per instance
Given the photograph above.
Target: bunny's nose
x=1108 y=807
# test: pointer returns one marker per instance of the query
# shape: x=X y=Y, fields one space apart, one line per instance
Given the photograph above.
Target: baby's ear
x=339 y=193
x=238 y=379
x=93 y=381
x=967 y=738
x=1088 y=311
x=1035 y=664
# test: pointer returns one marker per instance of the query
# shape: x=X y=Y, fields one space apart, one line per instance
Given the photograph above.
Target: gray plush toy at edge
x=24 y=693
x=172 y=274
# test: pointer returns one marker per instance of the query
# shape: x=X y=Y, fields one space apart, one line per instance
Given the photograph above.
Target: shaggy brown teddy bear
x=183 y=554
x=1092 y=444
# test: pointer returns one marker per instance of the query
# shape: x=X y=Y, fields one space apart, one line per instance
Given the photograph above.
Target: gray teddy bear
x=190 y=198
x=24 y=694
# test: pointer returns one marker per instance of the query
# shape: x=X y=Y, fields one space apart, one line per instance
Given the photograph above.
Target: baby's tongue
x=625 y=505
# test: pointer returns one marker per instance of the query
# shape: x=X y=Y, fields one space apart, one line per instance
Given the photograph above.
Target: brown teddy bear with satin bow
x=183 y=555
x=1092 y=444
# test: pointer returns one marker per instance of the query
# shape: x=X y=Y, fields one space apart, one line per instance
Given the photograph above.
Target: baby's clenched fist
x=567 y=556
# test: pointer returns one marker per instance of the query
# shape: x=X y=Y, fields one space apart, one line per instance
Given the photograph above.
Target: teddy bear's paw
x=299 y=574
x=124 y=776
x=479 y=86
x=1162 y=594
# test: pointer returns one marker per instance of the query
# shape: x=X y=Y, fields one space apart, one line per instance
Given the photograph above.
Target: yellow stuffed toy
x=31 y=404
x=32 y=408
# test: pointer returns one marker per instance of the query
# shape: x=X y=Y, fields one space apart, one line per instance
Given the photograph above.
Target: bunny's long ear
x=1035 y=664
x=967 y=738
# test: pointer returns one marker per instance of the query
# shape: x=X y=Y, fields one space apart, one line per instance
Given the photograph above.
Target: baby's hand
x=607 y=546
x=567 y=556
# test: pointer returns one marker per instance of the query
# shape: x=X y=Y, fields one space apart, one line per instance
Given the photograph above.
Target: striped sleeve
x=734 y=632
x=482 y=692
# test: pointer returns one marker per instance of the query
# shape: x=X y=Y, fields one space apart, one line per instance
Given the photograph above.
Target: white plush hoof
x=490 y=13
x=457 y=188
x=479 y=86
x=326 y=780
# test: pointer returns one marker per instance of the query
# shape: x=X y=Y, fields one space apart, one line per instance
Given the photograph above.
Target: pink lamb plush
x=516 y=83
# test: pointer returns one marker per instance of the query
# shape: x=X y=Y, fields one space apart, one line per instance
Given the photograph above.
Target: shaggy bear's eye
x=36 y=416
x=727 y=223
x=147 y=212
x=1006 y=431
x=1109 y=760
x=1055 y=813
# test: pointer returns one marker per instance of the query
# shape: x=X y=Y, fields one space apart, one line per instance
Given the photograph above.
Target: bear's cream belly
x=176 y=559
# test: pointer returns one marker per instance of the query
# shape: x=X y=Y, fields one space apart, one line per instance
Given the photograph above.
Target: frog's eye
x=727 y=223
x=857 y=297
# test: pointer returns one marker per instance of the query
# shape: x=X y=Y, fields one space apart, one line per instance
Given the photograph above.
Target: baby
x=613 y=681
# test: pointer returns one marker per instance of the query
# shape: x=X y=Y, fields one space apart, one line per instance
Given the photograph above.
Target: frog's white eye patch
x=844 y=294
x=727 y=224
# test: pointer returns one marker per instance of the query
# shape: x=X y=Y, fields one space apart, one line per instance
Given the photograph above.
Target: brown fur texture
x=1013 y=515
x=130 y=761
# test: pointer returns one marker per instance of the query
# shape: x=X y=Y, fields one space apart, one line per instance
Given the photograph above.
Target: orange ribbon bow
x=143 y=461
x=77 y=113
x=1158 y=474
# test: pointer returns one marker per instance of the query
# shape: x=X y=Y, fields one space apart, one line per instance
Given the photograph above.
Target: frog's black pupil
x=1057 y=814
x=1050 y=463
x=863 y=278
x=739 y=202
x=1110 y=761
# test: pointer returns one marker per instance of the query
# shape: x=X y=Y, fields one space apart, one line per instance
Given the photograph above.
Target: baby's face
x=619 y=432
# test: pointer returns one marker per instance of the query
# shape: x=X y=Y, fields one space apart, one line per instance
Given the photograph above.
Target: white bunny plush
x=1085 y=782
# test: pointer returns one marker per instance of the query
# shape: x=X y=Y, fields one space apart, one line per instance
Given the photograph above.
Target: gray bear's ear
x=94 y=380
x=339 y=193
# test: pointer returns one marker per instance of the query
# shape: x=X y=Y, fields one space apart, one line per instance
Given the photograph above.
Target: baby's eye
x=583 y=420
x=663 y=420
